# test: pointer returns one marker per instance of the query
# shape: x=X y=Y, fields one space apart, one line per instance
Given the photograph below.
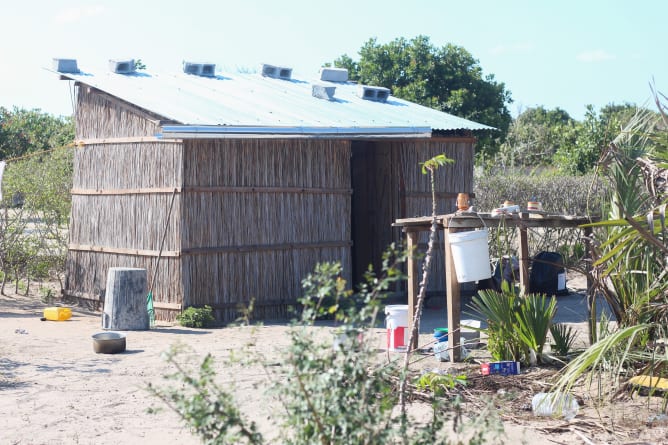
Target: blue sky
x=563 y=54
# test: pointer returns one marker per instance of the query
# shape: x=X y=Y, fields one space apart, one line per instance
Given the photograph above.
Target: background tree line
x=450 y=79
x=36 y=202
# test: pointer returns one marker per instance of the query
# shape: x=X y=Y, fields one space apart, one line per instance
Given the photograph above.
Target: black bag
x=507 y=269
x=548 y=275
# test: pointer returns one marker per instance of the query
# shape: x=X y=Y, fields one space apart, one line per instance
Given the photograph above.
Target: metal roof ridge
x=213 y=131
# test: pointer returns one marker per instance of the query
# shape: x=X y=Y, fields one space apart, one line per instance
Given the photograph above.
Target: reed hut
x=229 y=189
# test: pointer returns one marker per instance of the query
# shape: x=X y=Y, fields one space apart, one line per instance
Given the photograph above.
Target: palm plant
x=563 y=338
x=517 y=326
x=631 y=266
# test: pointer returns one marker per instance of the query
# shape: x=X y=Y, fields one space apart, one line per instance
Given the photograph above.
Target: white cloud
x=78 y=14
x=514 y=48
x=594 y=56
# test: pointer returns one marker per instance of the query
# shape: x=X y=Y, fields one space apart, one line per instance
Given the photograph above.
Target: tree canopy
x=539 y=137
x=448 y=79
x=536 y=135
x=25 y=131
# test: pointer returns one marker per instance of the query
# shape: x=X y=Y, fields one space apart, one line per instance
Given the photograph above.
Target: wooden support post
x=453 y=300
x=591 y=296
x=523 y=258
x=412 y=238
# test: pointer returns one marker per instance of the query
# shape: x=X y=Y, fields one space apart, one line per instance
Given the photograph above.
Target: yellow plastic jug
x=57 y=313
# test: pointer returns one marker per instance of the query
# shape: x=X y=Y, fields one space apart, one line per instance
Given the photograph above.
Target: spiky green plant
x=517 y=327
x=498 y=309
x=631 y=267
x=563 y=338
x=534 y=319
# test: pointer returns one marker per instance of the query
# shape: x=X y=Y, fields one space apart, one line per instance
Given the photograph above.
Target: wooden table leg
x=453 y=301
x=524 y=259
x=413 y=280
x=591 y=297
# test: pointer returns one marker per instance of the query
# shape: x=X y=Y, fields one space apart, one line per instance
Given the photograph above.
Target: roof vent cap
x=65 y=65
x=126 y=66
x=377 y=94
x=277 y=72
x=323 y=92
x=200 y=69
x=334 y=74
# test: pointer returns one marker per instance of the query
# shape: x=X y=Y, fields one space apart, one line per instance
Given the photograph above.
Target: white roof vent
x=200 y=69
x=122 y=66
x=378 y=94
x=277 y=72
x=65 y=65
x=334 y=74
x=323 y=92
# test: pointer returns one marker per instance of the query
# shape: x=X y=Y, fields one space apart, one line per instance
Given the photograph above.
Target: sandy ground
x=54 y=389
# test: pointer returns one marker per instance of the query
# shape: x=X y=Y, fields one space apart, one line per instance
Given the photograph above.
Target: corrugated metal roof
x=250 y=104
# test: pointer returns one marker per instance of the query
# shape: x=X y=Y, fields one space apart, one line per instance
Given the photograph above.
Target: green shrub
x=563 y=337
x=196 y=317
x=517 y=326
x=559 y=194
x=333 y=390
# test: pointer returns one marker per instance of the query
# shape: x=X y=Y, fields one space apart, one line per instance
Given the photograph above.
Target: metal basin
x=108 y=342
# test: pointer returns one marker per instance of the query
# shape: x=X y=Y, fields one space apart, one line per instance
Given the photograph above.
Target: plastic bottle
x=556 y=405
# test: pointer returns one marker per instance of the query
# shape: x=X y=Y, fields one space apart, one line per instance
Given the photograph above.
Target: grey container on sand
x=125 y=300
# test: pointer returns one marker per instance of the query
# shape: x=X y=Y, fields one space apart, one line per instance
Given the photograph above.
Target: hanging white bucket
x=470 y=254
x=396 y=321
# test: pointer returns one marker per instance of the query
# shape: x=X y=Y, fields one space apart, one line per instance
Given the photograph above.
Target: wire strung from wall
x=38 y=153
x=3 y=163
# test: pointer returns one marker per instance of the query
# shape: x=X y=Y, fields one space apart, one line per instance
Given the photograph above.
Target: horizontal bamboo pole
x=100 y=299
x=124 y=140
x=256 y=304
x=209 y=250
x=124 y=251
x=438 y=194
x=264 y=247
x=315 y=190
x=135 y=191
x=144 y=191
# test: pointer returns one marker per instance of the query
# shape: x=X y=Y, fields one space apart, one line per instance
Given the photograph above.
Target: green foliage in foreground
x=631 y=260
x=196 y=317
x=208 y=408
x=517 y=325
x=332 y=388
x=563 y=338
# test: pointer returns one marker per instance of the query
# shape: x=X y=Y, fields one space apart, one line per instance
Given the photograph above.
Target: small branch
x=316 y=417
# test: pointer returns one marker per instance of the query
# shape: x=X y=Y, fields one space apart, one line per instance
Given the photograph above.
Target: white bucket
x=470 y=254
x=396 y=321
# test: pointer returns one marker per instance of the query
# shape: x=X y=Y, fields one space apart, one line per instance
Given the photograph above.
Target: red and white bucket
x=396 y=321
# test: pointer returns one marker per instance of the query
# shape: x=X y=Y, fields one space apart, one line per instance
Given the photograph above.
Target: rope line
x=41 y=152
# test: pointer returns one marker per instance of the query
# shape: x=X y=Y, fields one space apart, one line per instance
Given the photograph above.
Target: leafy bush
x=39 y=225
x=331 y=393
x=208 y=408
x=196 y=317
x=559 y=194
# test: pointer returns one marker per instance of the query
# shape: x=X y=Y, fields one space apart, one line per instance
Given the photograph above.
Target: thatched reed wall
x=258 y=216
x=99 y=115
x=397 y=188
x=121 y=200
x=86 y=278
